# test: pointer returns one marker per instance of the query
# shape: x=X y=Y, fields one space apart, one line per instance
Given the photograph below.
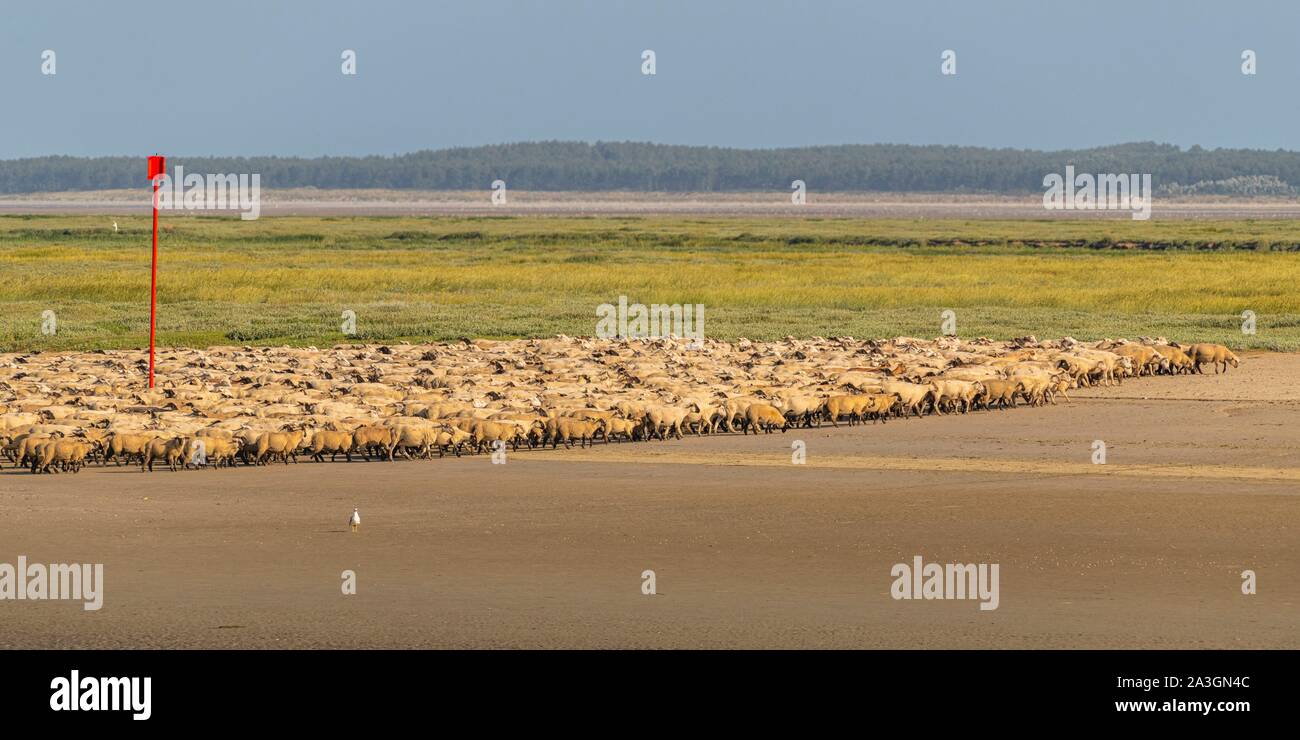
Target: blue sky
x=255 y=78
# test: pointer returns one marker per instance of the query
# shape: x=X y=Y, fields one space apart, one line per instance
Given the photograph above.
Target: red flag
x=156 y=166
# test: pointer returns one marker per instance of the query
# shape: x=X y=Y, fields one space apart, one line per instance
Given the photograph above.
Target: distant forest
x=556 y=165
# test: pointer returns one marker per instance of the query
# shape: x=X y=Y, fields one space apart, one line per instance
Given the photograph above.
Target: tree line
x=560 y=165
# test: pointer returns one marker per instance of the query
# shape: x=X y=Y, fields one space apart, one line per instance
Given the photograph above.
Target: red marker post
x=156 y=166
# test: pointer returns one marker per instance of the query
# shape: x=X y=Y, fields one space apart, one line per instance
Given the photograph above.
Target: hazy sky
x=235 y=77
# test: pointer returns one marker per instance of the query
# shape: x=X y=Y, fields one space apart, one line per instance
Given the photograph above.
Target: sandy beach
x=748 y=550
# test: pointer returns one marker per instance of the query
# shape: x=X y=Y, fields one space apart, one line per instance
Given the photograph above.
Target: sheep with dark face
x=170 y=451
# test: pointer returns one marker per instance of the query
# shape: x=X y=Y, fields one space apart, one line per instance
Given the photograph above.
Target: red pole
x=153 y=283
x=156 y=166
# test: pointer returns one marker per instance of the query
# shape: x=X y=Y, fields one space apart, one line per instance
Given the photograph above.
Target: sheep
x=68 y=454
x=1112 y=366
x=450 y=438
x=246 y=442
x=1037 y=389
x=412 y=439
x=710 y=416
x=733 y=410
x=973 y=373
x=25 y=447
x=217 y=451
x=12 y=421
x=97 y=435
x=661 y=420
x=282 y=445
x=592 y=414
x=697 y=423
x=1213 y=354
x=622 y=428
x=1176 y=360
x=125 y=446
x=1083 y=370
x=1002 y=393
x=333 y=443
x=34 y=448
x=876 y=406
x=836 y=406
x=961 y=394
x=1146 y=360
x=377 y=439
x=484 y=433
x=857 y=407
x=567 y=429
x=170 y=451
x=630 y=409
x=763 y=416
x=9 y=446
x=912 y=397
x=799 y=407
x=1058 y=385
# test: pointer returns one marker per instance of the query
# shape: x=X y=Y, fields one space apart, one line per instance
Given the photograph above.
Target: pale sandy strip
x=935 y=464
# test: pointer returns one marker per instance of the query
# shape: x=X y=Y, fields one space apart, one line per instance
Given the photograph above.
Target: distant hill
x=557 y=165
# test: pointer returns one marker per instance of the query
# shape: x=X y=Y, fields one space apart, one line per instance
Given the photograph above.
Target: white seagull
x=114 y=227
x=355 y=520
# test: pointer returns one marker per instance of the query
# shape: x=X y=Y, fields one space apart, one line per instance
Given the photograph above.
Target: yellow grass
x=288 y=279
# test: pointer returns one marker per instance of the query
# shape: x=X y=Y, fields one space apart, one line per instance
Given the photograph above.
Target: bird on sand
x=355 y=519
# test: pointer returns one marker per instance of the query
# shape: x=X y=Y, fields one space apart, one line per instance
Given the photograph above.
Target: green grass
x=288 y=280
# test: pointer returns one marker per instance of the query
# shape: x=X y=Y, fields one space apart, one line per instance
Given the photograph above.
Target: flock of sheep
x=227 y=405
